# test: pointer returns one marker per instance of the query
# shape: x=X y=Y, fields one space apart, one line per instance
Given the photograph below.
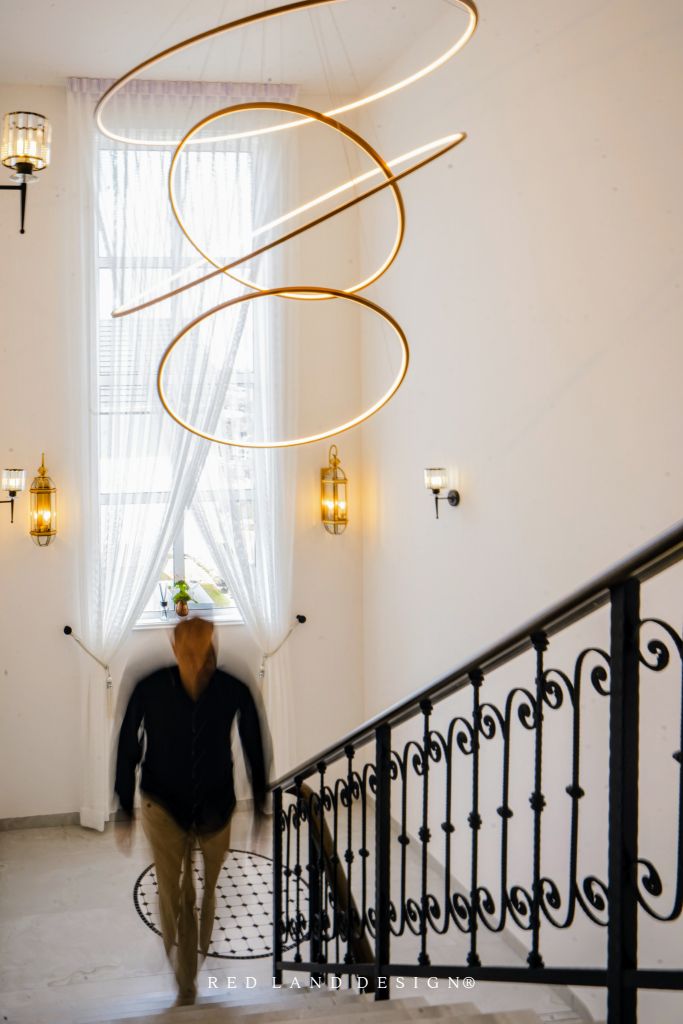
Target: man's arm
x=251 y=735
x=129 y=751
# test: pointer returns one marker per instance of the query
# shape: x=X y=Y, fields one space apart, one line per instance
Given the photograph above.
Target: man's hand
x=123 y=834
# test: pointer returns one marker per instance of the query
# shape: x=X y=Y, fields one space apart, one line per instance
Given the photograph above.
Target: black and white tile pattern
x=244 y=904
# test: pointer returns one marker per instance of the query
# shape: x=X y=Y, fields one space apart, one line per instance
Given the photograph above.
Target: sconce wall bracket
x=453 y=499
x=10 y=501
x=22 y=199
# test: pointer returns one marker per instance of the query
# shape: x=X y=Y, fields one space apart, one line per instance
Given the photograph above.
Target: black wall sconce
x=436 y=479
x=25 y=148
x=13 y=481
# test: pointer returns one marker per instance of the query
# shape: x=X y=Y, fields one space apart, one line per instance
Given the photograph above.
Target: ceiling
x=336 y=49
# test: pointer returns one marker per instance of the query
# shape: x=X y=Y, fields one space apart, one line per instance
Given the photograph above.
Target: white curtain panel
x=140 y=469
x=245 y=508
x=245 y=500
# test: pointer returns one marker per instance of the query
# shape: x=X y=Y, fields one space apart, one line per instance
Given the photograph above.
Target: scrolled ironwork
x=434 y=820
x=661 y=651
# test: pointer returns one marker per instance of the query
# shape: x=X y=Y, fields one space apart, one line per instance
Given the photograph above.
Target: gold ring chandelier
x=303 y=115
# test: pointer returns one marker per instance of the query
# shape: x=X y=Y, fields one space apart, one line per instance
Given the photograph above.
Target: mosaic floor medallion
x=244 y=904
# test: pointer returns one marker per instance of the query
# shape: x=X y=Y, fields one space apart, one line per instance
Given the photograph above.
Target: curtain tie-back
x=299 y=620
x=108 y=679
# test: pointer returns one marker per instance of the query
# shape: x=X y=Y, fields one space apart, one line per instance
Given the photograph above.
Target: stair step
x=281 y=1010
x=238 y=1000
x=385 y=1012
x=503 y=1017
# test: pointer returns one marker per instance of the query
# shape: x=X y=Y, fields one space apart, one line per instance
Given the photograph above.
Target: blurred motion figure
x=185 y=715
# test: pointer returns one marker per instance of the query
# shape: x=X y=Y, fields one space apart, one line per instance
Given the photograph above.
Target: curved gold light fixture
x=311 y=115
x=303 y=115
x=345 y=186
x=309 y=438
x=454 y=140
x=468 y=6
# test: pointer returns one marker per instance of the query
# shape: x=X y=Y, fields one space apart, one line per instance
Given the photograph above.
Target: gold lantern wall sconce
x=43 y=502
x=25 y=149
x=436 y=480
x=334 y=501
x=43 y=508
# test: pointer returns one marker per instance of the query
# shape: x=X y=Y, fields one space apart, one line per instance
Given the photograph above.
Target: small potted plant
x=181 y=598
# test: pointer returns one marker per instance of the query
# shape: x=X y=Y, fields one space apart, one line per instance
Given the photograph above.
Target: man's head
x=192 y=645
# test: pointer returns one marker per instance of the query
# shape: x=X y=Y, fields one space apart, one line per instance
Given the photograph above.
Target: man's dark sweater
x=187 y=763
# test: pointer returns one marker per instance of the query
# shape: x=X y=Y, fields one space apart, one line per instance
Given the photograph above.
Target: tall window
x=145 y=258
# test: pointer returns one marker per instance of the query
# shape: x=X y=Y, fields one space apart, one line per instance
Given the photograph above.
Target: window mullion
x=179 y=551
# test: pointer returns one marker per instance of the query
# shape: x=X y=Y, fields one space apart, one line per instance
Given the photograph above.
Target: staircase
x=316 y=1007
x=500 y=805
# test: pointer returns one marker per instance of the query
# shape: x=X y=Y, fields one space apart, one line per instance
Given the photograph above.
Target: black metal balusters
x=622 y=933
x=364 y=787
x=657 y=659
x=491 y=896
x=348 y=856
x=476 y=679
x=537 y=801
x=278 y=924
x=296 y=870
x=321 y=874
x=382 y=855
x=289 y=924
x=315 y=882
x=334 y=859
x=424 y=834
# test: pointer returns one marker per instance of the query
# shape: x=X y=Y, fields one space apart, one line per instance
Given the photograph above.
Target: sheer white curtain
x=140 y=469
x=250 y=528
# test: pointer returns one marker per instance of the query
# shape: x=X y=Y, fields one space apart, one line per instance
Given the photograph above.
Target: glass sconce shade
x=26 y=141
x=13 y=480
x=436 y=479
x=334 y=502
x=43 y=508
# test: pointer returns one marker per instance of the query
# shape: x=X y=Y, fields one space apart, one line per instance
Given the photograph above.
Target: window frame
x=221 y=616
x=170 y=262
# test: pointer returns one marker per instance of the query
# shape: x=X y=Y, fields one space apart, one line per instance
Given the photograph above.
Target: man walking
x=186 y=713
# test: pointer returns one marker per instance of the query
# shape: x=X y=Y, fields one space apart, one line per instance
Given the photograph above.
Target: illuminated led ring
x=468 y=6
x=312 y=115
x=331 y=293
x=451 y=142
x=304 y=116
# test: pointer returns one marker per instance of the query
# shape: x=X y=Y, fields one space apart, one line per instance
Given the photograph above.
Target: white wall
x=40 y=716
x=539 y=286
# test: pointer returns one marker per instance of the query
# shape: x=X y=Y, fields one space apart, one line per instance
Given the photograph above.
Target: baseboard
x=74 y=818
x=40 y=821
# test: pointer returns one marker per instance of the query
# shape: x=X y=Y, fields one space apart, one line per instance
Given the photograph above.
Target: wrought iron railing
x=410 y=833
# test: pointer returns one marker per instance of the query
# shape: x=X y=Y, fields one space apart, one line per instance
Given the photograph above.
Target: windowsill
x=228 y=617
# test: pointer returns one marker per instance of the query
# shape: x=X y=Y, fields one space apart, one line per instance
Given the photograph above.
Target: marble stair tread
x=376 y=1013
x=241 y=1001
x=283 y=1009
x=503 y=1017
x=146 y=996
x=133 y=1008
x=371 y=1013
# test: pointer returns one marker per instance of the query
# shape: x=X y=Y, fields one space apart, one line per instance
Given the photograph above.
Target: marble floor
x=73 y=948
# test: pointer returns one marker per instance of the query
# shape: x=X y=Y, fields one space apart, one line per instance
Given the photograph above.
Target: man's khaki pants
x=172 y=849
